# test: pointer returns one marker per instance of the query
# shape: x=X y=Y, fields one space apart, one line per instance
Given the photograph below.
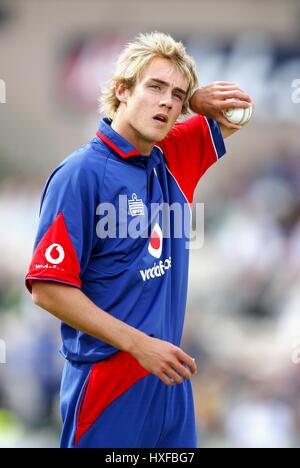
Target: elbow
x=39 y=295
x=35 y=297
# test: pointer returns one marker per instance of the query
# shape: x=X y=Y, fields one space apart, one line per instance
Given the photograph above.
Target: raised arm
x=213 y=99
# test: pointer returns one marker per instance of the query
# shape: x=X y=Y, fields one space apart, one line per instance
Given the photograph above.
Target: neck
x=123 y=128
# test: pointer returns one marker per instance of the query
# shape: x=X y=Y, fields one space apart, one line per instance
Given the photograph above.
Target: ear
x=122 y=91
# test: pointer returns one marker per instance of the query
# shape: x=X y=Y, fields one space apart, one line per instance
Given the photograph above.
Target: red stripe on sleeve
x=55 y=258
x=189 y=151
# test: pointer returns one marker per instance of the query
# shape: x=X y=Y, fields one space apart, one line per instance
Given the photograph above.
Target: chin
x=159 y=135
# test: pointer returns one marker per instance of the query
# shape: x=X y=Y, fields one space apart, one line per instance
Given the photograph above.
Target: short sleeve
x=65 y=235
x=190 y=148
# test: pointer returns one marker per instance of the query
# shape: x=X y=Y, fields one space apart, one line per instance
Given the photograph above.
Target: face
x=150 y=109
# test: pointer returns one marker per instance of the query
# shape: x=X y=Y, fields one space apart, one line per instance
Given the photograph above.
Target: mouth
x=161 y=118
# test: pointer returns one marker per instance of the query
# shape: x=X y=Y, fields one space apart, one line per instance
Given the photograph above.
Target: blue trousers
x=115 y=403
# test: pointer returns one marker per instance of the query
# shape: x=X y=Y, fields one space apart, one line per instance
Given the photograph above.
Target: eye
x=179 y=97
x=153 y=86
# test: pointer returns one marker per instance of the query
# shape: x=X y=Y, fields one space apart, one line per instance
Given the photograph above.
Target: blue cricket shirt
x=101 y=229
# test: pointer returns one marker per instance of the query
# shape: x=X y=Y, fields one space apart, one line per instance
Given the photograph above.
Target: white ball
x=238 y=116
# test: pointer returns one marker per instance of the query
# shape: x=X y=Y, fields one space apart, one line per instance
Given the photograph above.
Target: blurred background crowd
x=243 y=321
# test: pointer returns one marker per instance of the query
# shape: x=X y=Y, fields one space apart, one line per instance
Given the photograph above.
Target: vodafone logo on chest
x=156 y=242
x=155 y=249
x=55 y=254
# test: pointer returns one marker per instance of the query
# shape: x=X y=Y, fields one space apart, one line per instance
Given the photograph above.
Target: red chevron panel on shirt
x=108 y=380
x=55 y=258
x=189 y=151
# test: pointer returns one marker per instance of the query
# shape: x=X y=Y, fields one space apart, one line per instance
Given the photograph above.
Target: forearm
x=73 y=307
x=226 y=132
x=69 y=304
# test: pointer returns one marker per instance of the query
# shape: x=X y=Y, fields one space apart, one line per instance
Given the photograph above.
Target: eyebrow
x=165 y=83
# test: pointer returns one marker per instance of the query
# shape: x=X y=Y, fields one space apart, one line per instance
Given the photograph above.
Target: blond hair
x=136 y=56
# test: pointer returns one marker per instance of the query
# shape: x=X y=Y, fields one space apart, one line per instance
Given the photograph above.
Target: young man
x=122 y=297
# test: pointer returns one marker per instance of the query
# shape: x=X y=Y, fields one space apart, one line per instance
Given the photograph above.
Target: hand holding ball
x=238 y=116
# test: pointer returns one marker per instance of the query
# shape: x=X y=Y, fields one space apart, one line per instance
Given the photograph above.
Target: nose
x=166 y=101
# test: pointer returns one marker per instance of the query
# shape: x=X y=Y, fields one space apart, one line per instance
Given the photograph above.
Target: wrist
x=195 y=102
x=134 y=341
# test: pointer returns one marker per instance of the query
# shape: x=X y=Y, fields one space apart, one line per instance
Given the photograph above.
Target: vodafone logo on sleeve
x=55 y=254
x=56 y=258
